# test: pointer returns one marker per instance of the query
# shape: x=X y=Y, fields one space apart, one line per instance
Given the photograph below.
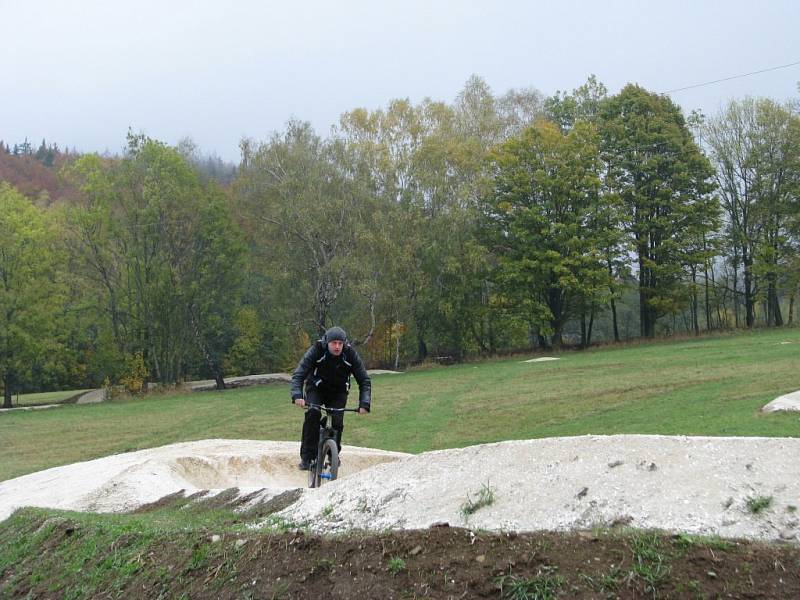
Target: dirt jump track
x=568 y=518
x=731 y=487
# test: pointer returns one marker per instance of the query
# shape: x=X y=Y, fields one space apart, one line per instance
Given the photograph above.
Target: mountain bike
x=325 y=467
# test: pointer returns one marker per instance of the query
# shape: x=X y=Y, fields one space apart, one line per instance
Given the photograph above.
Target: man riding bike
x=325 y=370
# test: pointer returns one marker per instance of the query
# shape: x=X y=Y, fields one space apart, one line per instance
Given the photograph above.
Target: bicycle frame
x=325 y=467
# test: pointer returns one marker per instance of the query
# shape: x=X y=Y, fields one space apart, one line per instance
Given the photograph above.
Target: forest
x=436 y=231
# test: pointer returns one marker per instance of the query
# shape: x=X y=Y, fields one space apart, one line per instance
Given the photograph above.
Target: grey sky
x=82 y=72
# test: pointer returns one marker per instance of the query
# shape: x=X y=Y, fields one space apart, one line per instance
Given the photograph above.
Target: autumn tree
x=425 y=164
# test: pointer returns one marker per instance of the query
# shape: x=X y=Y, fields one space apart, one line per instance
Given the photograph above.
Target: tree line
x=430 y=231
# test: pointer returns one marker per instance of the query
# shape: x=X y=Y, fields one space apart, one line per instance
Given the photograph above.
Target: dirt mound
x=127 y=481
x=732 y=487
x=785 y=402
x=392 y=540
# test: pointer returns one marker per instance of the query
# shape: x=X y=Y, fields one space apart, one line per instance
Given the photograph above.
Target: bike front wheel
x=327 y=464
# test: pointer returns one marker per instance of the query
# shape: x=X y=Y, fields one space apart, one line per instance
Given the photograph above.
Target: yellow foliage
x=302 y=342
x=136 y=374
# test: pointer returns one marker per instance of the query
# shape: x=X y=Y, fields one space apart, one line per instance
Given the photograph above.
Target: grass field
x=704 y=386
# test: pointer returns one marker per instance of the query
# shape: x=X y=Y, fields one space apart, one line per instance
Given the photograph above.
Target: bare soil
x=436 y=563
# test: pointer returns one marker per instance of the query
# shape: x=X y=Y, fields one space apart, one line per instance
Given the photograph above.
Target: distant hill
x=35 y=173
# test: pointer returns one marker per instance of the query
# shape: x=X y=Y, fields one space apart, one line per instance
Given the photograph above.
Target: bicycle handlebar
x=326 y=409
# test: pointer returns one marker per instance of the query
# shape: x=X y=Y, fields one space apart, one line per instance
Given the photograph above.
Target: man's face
x=335 y=347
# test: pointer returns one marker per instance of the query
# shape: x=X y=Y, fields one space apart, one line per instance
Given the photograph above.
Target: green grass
x=484 y=497
x=758 y=504
x=90 y=553
x=45 y=397
x=396 y=565
x=650 y=561
x=544 y=586
x=685 y=541
x=704 y=386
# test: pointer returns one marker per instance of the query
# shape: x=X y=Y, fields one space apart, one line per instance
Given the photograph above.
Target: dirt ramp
x=733 y=487
x=127 y=481
x=276 y=470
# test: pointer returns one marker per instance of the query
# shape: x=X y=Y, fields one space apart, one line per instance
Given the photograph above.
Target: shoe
x=304 y=465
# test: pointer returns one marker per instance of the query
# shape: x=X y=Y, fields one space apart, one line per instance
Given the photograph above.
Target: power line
x=697 y=85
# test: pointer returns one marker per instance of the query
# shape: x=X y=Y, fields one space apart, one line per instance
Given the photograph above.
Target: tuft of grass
x=649 y=561
x=324 y=565
x=199 y=558
x=607 y=583
x=692 y=586
x=484 y=497
x=684 y=541
x=758 y=504
x=544 y=586
x=278 y=524
x=395 y=566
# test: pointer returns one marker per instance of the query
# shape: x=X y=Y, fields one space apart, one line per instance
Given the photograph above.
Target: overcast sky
x=82 y=72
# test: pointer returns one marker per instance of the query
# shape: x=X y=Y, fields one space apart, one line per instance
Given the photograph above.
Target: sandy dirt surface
x=243 y=381
x=690 y=484
x=37 y=407
x=99 y=395
x=541 y=359
x=786 y=402
x=126 y=481
x=265 y=378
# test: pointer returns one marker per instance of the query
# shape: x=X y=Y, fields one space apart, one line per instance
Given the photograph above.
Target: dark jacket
x=328 y=373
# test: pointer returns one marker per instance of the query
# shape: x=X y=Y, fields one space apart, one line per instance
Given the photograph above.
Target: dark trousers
x=310 y=439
